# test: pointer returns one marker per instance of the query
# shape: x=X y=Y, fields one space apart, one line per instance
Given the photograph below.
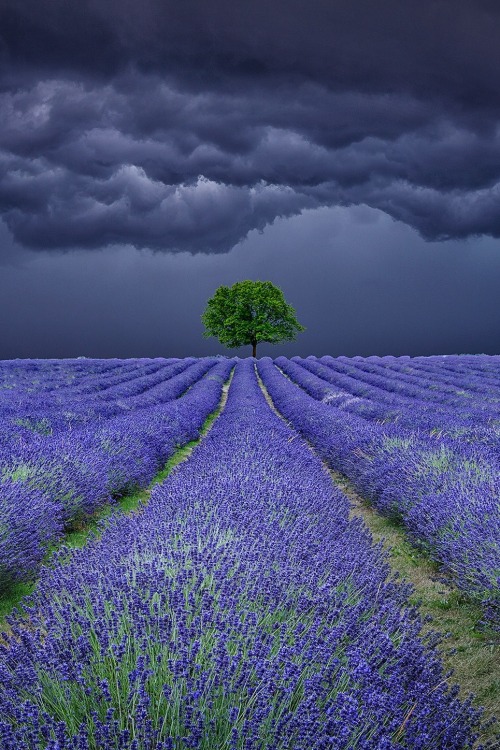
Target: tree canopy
x=250 y=312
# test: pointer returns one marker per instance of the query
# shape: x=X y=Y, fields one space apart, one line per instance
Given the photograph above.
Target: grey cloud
x=423 y=47
x=457 y=214
x=129 y=207
x=189 y=124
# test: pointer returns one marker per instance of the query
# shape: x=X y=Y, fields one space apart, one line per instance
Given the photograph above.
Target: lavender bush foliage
x=52 y=485
x=467 y=411
x=445 y=494
x=240 y=609
x=50 y=410
x=25 y=530
x=385 y=399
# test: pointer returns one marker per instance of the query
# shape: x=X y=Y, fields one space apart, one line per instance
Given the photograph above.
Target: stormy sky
x=348 y=151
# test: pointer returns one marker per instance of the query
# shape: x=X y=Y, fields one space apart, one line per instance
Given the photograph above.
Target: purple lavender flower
x=241 y=608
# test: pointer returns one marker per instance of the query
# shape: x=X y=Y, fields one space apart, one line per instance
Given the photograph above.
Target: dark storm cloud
x=444 y=46
x=185 y=125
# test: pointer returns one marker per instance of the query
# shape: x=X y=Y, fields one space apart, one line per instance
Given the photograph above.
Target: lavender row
x=129 y=370
x=477 y=370
x=422 y=380
x=28 y=379
x=49 y=374
x=162 y=385
x=51 y=487
x=57 y=386
x=480 y=365
x=453 y=372
x=240 y=609
x=54 y=383
x=384 y=392
x=368 y=402
x=373 y=404
x=471 y=419
x=447 y=498
x=47 y=418
x=463 y=396
x=45 y=413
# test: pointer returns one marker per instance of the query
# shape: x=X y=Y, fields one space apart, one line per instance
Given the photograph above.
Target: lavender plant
x=445 y=494
x=49 y=411
x=47 y=486
x=241 y=609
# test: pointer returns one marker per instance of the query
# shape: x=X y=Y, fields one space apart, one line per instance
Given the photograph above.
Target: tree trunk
x=254 y=349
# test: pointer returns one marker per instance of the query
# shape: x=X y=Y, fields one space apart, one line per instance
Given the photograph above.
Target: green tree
x=250 y=312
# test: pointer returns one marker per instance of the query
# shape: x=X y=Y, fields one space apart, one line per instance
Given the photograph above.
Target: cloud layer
x=182 y=126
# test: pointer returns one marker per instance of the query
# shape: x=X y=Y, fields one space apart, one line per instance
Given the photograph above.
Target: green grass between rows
x=469 y=649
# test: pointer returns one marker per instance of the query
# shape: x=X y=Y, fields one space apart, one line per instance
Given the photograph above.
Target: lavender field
x=241 y=606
